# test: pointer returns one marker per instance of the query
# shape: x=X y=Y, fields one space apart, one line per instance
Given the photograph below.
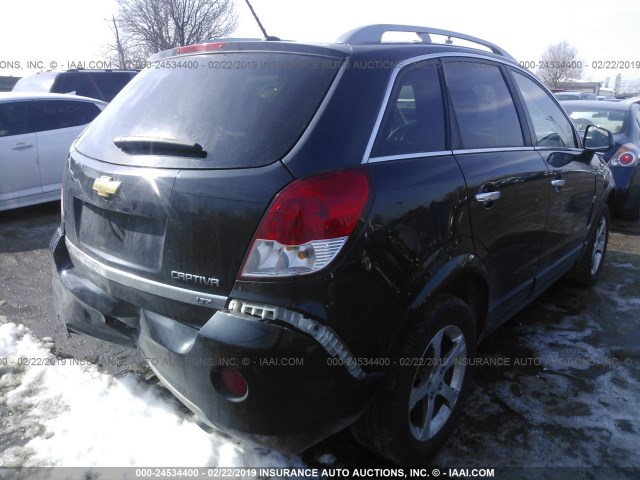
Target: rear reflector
x=233 y=382
x=307 y=225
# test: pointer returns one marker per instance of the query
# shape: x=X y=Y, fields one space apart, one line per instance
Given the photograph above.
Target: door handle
x=487 y=196
x=558 y=183
x=22 y=146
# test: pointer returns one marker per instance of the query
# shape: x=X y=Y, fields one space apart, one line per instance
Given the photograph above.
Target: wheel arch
x=464 y=277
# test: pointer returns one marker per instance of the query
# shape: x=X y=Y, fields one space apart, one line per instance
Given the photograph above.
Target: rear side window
x=13 y=118
x=55 y=114
x=550 y=125
x=414 y=119
x=483 y=106
x=244 y=109
x=100 y=85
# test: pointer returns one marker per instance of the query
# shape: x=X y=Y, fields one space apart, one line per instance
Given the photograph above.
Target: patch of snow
x=70 y=414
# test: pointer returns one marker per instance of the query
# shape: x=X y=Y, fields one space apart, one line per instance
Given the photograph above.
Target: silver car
x=36 y=131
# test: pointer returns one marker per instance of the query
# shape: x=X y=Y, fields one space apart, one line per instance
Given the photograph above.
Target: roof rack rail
x=372 y=34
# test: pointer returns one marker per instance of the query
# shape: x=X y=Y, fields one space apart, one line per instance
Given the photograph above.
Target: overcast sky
x=63 y=31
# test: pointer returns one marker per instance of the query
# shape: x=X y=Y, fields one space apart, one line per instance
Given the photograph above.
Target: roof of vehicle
x=361 y=40
x=91 y=70
x=631 y=100
x=596 y=105
x=5 y=96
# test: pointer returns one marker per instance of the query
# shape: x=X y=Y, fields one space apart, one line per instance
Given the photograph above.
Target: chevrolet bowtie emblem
x=105 y=186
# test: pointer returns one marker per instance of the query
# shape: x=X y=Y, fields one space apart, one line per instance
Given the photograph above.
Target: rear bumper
x=296 y=394
x=627 y=182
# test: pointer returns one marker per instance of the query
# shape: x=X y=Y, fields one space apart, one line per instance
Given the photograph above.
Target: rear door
x=57 y=124
x=418 y=208
x=506 y=179
x=571 y=186
x=18 y=153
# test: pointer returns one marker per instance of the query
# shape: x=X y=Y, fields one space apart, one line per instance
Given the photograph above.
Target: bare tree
x=119 y=47
x=144 y=27
x=559 y=63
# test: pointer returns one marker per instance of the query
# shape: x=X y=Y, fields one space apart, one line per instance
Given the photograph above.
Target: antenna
x=264 y=32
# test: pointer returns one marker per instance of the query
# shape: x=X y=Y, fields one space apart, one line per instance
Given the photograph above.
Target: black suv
x=305 y=237
x=94 y=83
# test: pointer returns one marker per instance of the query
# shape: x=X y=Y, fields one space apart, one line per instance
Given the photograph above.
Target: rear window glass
x=244 y=109
x=100 y=85
x=614 y=120
x=39 y=82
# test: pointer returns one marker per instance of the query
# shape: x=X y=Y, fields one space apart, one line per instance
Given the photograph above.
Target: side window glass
x=414 y=119
x=551 y=127
x=483 y=106
x=13 y=118
x=55 y=114
x=76 y=83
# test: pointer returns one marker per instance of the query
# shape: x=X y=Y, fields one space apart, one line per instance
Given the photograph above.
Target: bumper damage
x=297 y=394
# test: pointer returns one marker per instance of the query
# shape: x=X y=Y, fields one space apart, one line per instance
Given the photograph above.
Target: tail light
x=625 y=156
x=307 y=225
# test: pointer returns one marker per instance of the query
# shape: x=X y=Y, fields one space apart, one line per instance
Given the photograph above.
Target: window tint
x=483 y=106
x=242 y=117
x=614 y=119
x=551 y=127
x=13 y=118
x=100 y=85
x=54 y=114
x=414 y=119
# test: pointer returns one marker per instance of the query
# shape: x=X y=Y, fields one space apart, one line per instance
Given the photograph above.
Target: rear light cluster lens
x=624 y=157
x=307 y=225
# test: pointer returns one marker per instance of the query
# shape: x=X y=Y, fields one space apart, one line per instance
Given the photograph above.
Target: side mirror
x=597 y=139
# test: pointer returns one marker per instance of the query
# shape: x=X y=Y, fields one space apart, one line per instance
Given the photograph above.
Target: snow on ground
x=74 y=416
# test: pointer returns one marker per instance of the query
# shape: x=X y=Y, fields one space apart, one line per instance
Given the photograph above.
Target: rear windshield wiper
x=159 y=146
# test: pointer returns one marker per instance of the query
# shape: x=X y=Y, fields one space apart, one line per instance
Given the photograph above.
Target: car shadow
x=28 y=228
x=626 y=227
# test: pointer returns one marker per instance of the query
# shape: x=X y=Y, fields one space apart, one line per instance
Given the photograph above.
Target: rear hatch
x=168 y=185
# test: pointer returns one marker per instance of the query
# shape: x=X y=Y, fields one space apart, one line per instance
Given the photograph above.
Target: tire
x=422 y=396
x=588 y=268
